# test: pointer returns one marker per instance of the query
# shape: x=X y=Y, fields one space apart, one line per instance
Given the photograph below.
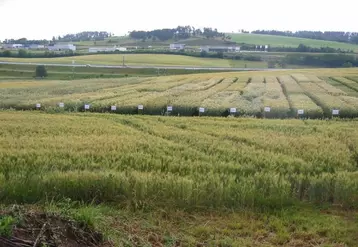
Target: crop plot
x=259 y=94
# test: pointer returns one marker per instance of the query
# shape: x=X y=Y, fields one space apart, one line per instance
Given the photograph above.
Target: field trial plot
x=313 y=94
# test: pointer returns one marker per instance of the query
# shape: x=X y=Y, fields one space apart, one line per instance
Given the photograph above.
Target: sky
x=43 y=19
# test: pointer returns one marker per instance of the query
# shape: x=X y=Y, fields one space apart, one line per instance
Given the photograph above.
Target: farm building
x=12 y=46
x=220 y=48
x=35 y=47
x=177 y=46
x=62 y=47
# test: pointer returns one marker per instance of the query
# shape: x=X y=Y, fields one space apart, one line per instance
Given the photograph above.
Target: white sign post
x=61 y=104
x=232 y=110
x=267 y=109
x=113 y=108
x=201 y=110
x=38 y=105
x=87 y=107
x=140 y=107
x=300 y=112
x=335 y=112
x=169 y=108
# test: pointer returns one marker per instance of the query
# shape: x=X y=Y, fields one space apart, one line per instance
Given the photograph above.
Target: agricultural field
x=145 y=60
x=281 y=41
x=320 y=93
x=26 y=71
x=180 y=181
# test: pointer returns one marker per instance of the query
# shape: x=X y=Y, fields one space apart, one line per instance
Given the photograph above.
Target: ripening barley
x=347 y=82
x=275 y=99
x=300 y=78
x=330 y=89
x=313 y=78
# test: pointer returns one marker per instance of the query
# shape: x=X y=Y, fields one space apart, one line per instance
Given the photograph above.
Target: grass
x=168 y=181
x=166 y=227
x=9 y=71
x=145 y=60
x=249 y=92
x=281 y=41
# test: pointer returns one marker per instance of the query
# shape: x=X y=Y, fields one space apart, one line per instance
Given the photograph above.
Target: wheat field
x=178 y=162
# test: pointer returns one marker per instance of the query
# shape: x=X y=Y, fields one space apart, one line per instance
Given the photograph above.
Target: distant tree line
x=77 y=37
x=347 y=37
x=305 y=48
x=179 y=33
x=322 y=60
x=83 y=36
x=46 y=54
x=299 y=48
x=25 y=41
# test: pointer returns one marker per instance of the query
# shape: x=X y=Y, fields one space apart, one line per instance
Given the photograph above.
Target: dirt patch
x=50 y=230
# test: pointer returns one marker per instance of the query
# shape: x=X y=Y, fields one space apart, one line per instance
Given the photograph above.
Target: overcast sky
x=37 y=19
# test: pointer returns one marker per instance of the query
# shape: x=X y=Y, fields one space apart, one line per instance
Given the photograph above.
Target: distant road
x=144 y=67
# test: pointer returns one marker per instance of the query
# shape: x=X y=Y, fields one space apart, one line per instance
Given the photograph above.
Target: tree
x=347 y=65
x=220 y=54
x=41 y=71
x=22 y=53
x=203 y=54
x=6 y=53
x=271 y=64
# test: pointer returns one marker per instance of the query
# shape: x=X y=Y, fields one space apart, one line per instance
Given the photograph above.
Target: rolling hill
x=255 y=39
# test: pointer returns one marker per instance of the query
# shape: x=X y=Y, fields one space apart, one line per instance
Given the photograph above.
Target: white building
x=62 y=47
x=121 y=49
x=12 y=46
x=177 y=46
x=220 y=48
x=101 y=49
x=35 y=47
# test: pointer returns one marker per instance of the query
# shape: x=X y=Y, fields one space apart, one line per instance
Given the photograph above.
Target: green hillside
x=279 y=41
x=256 y=39
x=127 y=41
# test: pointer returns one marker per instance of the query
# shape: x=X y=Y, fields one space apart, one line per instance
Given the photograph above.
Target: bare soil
x=50 y=230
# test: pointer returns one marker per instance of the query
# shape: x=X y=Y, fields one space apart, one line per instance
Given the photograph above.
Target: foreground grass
x=281 y=41
x=302 y=226
x=144 y=59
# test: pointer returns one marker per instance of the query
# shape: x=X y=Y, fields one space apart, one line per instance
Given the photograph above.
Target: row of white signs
x=201 y=109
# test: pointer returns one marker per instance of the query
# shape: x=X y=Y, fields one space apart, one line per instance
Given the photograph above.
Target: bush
x=347 y=65
x=41 y=71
